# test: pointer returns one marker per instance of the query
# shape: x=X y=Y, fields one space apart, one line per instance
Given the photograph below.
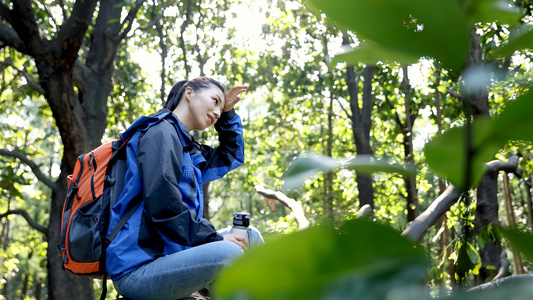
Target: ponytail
x=175 y=95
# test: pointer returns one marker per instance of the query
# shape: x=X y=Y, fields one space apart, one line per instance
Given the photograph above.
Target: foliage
x=322 y=262
x=294 y=82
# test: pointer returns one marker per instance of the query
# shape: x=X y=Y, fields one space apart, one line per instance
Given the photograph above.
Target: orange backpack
x=93 y=188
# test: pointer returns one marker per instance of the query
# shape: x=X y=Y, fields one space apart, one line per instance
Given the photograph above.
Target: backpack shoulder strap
x=133 y=205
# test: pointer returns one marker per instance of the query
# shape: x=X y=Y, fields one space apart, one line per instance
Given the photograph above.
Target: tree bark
x=416 y=230
x=448 y=267
x=501 y=282
x=487 y=199
x=80 y=116
x=517 y=259
x=407 y=130
x=361 y=124
x=527 y=186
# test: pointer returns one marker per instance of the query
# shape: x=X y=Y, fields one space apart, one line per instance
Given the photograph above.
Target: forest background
x=426 y=87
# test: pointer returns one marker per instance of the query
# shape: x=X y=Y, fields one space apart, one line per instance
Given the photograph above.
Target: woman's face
x=206 y=106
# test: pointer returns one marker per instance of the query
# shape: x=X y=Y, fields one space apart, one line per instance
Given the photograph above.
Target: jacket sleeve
x=230 y=152
x=159 y=158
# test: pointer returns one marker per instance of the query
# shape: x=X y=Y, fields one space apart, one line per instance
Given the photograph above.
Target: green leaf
x=305 y=167
x=362 y=259
x=473 y=255
x=520 y=38
x=519 y=240
x=446 y=154
x=437 y=28
x=488 y=11
x=372 y=53
x=515 y=121
x=464 y=262
x=367 y=164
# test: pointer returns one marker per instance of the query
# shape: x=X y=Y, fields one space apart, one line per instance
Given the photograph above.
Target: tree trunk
x=407 y=130
x=527 y=186
x=361 y=124
x=487 y=199
x=487 y=214
x=79 y=116
x=517 y=259
x=448 y=267
x=361 y=128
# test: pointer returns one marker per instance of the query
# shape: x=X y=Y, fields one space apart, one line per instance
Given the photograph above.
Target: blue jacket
x=168 y=168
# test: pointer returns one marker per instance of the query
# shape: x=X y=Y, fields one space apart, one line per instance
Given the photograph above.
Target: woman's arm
x=230 y=153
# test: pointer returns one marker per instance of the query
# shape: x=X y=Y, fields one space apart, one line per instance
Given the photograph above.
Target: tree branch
x=344 y=109
x=5 y=12
x=293 y=205
x=26 y=27
x=73 y=31
x=11 y=38
x=35 y=169
x=453 y=94
x=26 y=216
x=182 y=40
x=32 y=83
x=129 y=19
x=508 y=166
x=396 y=115
x=416 y=230
x=500 y=282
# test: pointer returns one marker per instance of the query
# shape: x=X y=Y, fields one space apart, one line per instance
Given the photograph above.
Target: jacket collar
x=182 y=130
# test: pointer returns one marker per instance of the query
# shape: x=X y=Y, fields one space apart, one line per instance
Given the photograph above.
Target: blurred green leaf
x=488 y=11
x=368 y=164
x=464 y=262
x=437 y=28
x=362 y=259
x=306 y=167
x=520 y=38
x=446 y=154
x=519 y=240
x=515 y=121
x=371 y=53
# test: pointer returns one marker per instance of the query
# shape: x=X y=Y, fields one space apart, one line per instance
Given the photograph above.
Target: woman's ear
x=189 y=92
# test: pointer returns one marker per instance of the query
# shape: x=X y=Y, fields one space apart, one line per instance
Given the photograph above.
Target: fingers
x=237 y=240
x=235 y=91
x=233 y=96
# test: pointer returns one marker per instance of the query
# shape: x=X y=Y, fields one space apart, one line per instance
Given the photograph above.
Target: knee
x=228 y=251
x=255 y=237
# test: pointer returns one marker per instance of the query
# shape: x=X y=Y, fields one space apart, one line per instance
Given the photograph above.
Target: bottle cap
x=241 y=219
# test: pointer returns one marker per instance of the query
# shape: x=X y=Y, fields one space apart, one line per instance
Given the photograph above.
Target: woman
x=167 y=250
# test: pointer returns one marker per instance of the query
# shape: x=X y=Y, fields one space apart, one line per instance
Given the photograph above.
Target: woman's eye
x=216 y=100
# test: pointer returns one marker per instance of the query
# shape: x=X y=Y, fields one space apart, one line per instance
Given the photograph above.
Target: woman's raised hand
x=233 y=96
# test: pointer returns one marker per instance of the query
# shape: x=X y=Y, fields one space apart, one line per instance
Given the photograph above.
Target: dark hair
x=197 y=84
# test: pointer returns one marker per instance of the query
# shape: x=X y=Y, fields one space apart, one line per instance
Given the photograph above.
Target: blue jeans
x=179 y=274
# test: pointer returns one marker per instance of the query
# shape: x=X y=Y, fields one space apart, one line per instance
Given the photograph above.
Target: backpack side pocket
x=84 y=240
